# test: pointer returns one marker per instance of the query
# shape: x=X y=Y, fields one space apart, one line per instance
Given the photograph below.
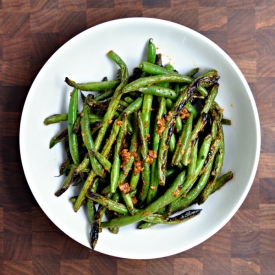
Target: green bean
x=193 y=194
x=73 y=199
x=59 y=137
x=158 y=91
x=225 y=121
x=214 y=129
x=110 y=214
x=153 y=69
x=90 y=204
x=108 y=203
x=95 y=126
x=191 y=168
x=210 y=99
x=102 y=160
x=135 y=176
x=159 y=219
x=194 y=135
x=152 y=192
x=116 y=160
x=146 y=113
x=170 y=172
x=76 y=125
x=55 y=119
x=191 y=109
x=208 y=189
x=67 y=182
x=151 y=52
x=218 y=164
x=220 y=182
x=183 y=141
x=83 y=165
x=178 y=125
x=72 y=115
x=128 y=99
x=169 y=104
x=93 y=86
x=103 y=104
x=96 y=225
x=202 y=91
x=203 y=153
x=93 y=117
x=212 y=152
x=129 y=203
x=193 y=72
x=88 y=141
x=133 y=107
x=133 y=148
x=104 y=95
x=123 y=103
x=64 y=117
x=112 y=138
x=170 y=195
x=145 y=174
x=91 y=210
x=65 y=166
x=172 y=144
x=145 y=225
x=149 y=80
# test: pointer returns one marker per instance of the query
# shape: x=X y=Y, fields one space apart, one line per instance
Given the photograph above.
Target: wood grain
x=30 y=32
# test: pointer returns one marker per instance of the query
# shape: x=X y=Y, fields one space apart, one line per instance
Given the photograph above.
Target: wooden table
x=30 y=32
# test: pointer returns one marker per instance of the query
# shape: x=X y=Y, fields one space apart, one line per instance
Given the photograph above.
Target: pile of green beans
x=145 y=146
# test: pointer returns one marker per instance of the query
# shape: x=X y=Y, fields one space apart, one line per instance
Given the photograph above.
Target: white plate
x=84 y=59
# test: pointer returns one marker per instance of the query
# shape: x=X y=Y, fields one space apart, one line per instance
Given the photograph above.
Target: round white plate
x=84 y=59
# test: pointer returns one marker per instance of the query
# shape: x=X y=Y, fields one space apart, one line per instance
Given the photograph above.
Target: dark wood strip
x=17 y=267
x=267 y=216
x=245 y=4
x=72 y=5
x=17 y=247
x=212 y=3
x=42 y=21
x=212 y=19
x=241 y=21
x=242 y=45
x=245 y=244
x=267 y=189
x=155 y=4
x=242 y=266
x=74 y=267
x=264 y=17
x=46 y=264
x=16 y=73
x=244 y=219
x=189 y=265
x=47 y=243
x=44 y=4
x=184 y=4
x=100 y=3
x=17 y=222
x=40 y=222
x=108 y=265
x=18 y=5
x=16 y=28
